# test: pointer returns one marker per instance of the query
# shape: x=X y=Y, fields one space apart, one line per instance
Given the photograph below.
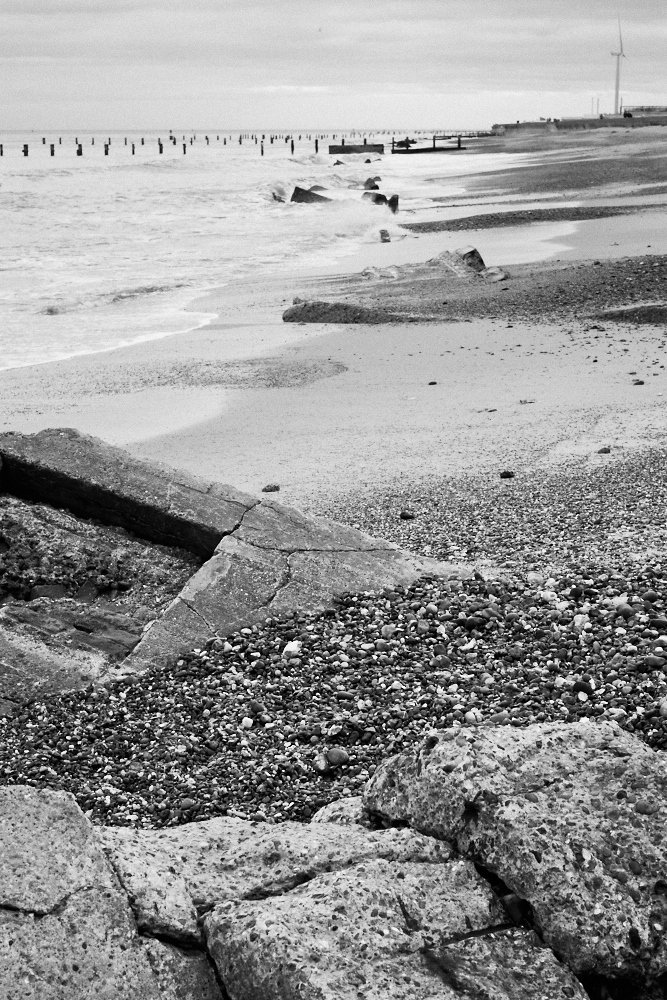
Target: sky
x=321 y=64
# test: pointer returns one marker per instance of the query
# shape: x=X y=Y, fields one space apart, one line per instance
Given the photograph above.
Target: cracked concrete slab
x=182 y=974
x=243 y=584
x=233 y=589
x=570 y=817
x=48 y=850
x=271 y=525
x=318 y=578
x=67 y=469
x=263 y=558
x=66 y=926
x=175 y=876
x=87 y=951
x=367 y=932
x=508 y=964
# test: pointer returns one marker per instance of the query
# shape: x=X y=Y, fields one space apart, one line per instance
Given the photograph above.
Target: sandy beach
x=320 y=408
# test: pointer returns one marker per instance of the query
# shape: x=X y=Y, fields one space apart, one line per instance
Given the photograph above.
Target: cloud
x=320 y=50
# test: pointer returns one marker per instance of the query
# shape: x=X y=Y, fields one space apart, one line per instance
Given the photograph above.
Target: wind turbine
x=618 y=56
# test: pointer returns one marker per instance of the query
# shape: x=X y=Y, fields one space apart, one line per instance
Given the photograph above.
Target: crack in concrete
x=480 y=932
x=198 y=613
x=246 y=510
x=54 y=911
x=285 y=580
x=291 y=552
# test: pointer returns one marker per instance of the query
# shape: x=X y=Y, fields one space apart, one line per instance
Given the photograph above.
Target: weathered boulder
x=375 y=197
x=571 y=818
x=48 y=851
x=93 y=479
x=66 y=928
x=175 y=876
x=472 y=257
x=182 y=973
x=339 y=312
x=380 y=931
x=306 y=196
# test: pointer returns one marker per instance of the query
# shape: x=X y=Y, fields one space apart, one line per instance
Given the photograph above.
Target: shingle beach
x=566 y=612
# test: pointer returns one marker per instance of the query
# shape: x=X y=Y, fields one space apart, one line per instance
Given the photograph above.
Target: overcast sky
x=114 y=64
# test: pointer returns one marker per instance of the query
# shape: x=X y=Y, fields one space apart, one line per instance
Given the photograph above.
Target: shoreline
x=249 y=399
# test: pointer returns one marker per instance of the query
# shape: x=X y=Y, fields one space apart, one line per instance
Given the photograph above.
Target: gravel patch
x=519 y=217
x=279 y=719
x=45 y=550
x=611 y=514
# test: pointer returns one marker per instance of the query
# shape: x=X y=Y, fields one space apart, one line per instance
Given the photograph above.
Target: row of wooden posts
x=251 y=136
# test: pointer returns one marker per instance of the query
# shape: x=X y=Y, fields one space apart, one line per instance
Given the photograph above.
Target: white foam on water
x=103 y=251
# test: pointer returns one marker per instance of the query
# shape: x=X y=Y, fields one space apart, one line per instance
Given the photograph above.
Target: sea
x=110 y=246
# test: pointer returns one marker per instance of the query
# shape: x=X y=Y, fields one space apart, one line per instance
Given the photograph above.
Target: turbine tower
x=618 y=56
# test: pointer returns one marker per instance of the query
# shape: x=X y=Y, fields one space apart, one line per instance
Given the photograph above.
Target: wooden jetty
x=410 y=145
x=367 y=147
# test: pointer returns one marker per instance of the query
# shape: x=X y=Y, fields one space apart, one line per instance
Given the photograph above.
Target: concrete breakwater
x=257 y=557
x=508 y=873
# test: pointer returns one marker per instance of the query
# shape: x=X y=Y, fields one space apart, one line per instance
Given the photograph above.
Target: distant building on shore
x=638 y=116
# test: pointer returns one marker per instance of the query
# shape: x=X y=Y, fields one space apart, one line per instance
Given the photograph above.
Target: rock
x=271 y=488
x=91 y=939
x=370 y=184
x=379 y=930
x=375 y=198
x=472 y=258
x=550 y=810
x=337 y=756
x=174 y=876
x=604 y=451
x=182 y=974
x=345 y=812
x=508 y=964
x=494 y=274
x=384 y=236
x=407 y=515
x=307 y=197
x=506 y=474
x=393 y=203
x=338 y=312
x=48 y=850
x=64 y=921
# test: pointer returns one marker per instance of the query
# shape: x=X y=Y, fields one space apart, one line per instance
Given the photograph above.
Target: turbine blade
x=620 y=36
